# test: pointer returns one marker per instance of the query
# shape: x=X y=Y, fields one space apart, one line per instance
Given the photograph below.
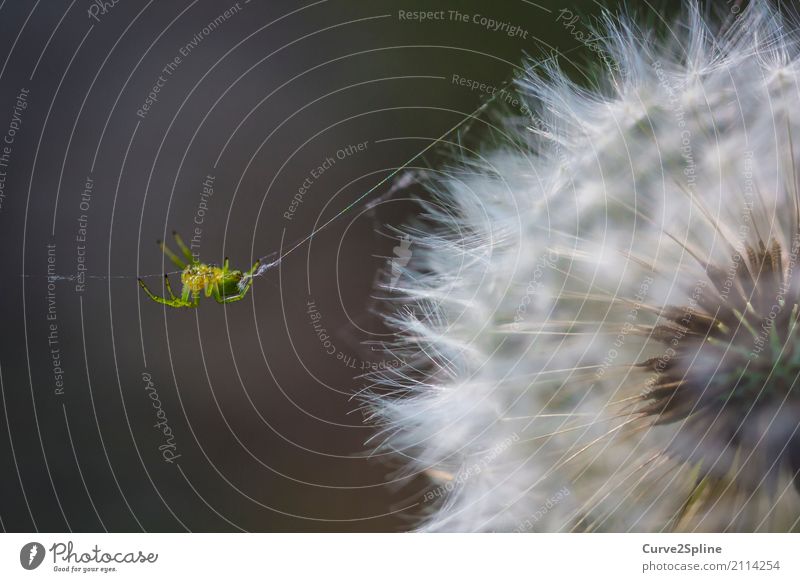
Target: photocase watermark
x=206 y=193
x=502 y=94
x=677 y=336
x=82 y=234
x=535 y=284
x=329 y=347
x=768 y=324
x=99 y=8
x=316 y=173
x=68 y=559
x=744 y=228
x=94 y=560
x=167 y=448
x=530 y=522
x=593 y=43
x=613 y=352
x=402 y=255
x=7 y=145
x=690 y=169
x=503 y=26
x=184 y=51
x=735 y=15
x=31 y=555
x=53 y=341
x=471 y=470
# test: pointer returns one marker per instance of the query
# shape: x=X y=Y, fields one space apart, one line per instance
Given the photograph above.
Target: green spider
x=220 y=283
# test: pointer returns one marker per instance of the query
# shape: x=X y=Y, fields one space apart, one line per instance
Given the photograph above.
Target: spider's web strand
x=272 y=264
x=75 y=277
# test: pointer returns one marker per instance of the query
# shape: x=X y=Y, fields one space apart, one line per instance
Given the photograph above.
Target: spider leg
x=219 y=298
x=172 y=256
x=189 y=298
x=243 y=290
x=247 y=279
x=217 y=294
x=174 y=302
x=211 y=288
x=184 y=249
x=249 y=273
x=231 y=298
x=148 y=292
x=169 y=287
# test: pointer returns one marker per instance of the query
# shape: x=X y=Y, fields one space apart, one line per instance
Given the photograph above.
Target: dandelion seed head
x=606 y=305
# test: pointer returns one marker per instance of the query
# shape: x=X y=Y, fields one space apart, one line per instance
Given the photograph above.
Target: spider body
x=221 y=283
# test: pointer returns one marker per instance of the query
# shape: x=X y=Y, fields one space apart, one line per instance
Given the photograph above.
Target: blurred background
x=245 y=126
